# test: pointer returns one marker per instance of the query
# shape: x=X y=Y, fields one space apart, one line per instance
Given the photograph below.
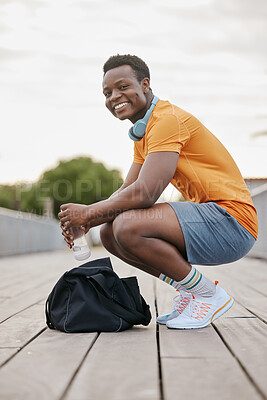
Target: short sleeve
x=167 y=133
x=137 y=156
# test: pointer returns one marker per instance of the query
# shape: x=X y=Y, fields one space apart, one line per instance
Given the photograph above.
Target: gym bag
x=92 y=298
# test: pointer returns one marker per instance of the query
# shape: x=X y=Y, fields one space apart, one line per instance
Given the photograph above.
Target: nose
x=115 y=95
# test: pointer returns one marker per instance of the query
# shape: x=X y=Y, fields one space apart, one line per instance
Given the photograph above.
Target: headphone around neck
x=138 y=131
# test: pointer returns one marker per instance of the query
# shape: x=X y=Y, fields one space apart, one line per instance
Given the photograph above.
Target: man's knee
x=106 y=233
x=124 y=229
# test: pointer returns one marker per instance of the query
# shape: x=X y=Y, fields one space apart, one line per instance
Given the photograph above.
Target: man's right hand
x=67 y=235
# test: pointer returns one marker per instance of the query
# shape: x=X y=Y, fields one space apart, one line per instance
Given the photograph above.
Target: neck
x=150 y=97
x=142 y=113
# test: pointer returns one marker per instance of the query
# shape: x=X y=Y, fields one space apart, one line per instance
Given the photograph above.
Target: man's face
x=125 y=96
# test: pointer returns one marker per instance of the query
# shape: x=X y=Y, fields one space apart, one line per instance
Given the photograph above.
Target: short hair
x=139 y=66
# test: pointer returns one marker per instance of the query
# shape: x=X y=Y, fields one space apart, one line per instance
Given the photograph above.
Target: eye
x=106 y=94
x=123 y=87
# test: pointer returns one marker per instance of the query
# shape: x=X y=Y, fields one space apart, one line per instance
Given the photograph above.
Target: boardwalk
x=227 y=360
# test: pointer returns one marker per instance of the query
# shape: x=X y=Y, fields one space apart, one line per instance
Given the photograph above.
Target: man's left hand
x=73 y=214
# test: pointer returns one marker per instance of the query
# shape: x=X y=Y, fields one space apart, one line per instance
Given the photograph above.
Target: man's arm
x=153 y=177
x=130 y=178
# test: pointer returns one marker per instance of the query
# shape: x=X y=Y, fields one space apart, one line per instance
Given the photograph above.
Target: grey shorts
x=212 y=236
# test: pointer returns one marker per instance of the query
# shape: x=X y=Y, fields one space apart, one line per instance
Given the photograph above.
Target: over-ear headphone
x=139 y=129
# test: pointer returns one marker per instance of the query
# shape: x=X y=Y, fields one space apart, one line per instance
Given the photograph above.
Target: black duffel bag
x=92 y=298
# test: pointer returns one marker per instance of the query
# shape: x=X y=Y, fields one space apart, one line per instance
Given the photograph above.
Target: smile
x=119 y=106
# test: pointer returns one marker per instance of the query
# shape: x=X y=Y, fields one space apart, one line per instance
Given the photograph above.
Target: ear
x=145 y=85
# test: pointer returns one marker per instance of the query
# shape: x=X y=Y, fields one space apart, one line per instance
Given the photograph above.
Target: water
x=80 y=249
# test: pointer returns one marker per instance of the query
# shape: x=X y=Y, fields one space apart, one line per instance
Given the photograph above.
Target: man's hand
x=73 y=215
x=68 y=237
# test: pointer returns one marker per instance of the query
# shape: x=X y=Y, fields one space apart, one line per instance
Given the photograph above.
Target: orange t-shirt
x=205 y=170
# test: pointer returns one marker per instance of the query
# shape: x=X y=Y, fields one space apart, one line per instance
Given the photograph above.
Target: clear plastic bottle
x=80 y=248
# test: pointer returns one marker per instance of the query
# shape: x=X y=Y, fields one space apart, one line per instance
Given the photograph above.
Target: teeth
x=119 y=106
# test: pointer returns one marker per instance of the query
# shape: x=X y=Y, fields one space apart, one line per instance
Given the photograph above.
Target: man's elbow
x=145 y=198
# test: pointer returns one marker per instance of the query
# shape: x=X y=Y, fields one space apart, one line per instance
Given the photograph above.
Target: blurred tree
x=8 y=196
x=80 y=180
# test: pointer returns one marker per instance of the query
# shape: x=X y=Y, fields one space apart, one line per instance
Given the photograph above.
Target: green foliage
x=8 y=196
x=30 y=200
x=80 y=180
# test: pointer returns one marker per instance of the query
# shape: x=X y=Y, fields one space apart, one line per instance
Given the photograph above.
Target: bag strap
x=129 y=283
x=132 y=286
x=131 y=316
x=143 y=307
x=48 y=319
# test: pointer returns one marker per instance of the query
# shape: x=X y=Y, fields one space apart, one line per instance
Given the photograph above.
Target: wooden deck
x=227 y=360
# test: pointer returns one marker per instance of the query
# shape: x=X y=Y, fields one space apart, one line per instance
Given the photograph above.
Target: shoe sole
x=165 y=322
x=216 y=315
x=169 y=319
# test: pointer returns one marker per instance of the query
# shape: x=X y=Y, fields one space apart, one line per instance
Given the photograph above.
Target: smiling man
x=217 y=223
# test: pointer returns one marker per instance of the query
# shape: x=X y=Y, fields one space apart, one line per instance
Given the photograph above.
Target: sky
x=206 y=56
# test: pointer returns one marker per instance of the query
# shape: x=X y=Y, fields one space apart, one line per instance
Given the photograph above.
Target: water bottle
x=80 y=248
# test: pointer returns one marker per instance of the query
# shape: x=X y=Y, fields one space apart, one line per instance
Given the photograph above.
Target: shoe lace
x=181 y=301
x=199 y=309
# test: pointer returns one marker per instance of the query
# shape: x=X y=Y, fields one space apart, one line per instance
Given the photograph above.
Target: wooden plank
x=248 y=272
x=202 y=379
x=20 y=329
x=237 y=311
x=122 y=365
x=247 y=338
x=252 y=270
x=16 y=331
x=186 y=343
x=21 y=286
x=17 y=304
x=43 y=369
x=43 y=267
x=22 y=265
x=119 y=366
x=26 y=272
x=6 y=353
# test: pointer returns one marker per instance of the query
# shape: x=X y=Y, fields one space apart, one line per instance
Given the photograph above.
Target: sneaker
x=202 y=310
x=181 y=301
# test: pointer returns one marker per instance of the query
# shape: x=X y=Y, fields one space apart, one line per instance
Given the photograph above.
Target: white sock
x=170 y=281
x=194 y=282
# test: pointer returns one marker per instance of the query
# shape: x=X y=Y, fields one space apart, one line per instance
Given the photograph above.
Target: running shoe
x=181 y=301
x=201 y=311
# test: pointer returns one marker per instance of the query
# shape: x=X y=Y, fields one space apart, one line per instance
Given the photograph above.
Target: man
x=216 y=224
